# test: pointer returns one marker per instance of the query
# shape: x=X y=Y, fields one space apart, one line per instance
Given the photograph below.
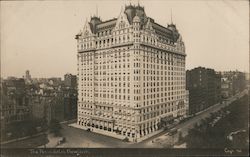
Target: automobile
x=176 y=122
x=173 y=132
x=167 y=134
x=125 y=139
x=170 y=126
x=62 y=140
x=88 y=130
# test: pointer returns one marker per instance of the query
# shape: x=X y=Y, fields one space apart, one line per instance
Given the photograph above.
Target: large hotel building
x=131 y=75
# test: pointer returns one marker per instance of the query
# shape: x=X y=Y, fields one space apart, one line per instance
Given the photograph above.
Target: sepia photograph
x=124 y=78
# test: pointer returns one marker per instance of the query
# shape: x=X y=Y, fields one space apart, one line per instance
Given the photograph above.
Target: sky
x=39 y=35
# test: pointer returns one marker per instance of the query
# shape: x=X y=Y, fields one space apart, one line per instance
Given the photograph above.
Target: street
x=78 y=138
x=185 y=126
x=31 y=142
x=83 y=139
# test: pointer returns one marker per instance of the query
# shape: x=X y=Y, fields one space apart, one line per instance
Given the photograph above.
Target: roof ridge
x=161 y=26
x=107 y=21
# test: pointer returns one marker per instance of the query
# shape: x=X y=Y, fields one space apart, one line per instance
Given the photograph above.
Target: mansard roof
x=166 y=32
x=131 y=11
x=170 y=32
x=109 y=24
x=94 y=21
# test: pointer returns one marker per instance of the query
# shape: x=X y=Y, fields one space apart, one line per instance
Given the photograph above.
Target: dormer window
x=86 y=33
x=121 y=24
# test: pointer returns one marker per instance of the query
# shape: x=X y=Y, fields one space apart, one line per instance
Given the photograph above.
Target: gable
x=148 y=25
x=122 y=21
x=86 y=31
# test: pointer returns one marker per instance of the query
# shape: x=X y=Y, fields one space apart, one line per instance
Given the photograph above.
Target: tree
x=181 y=138
x=44 y=124
x=31 y=128
x=55 y=127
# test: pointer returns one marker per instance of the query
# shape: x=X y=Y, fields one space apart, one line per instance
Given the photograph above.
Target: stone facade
x=131 y=74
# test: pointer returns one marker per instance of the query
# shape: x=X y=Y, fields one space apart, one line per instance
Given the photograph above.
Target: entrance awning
x=168 y=118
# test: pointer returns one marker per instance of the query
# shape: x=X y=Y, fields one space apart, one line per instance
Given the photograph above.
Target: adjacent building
x=204 y=87
x=70 y=103
x=232 y=82
x=70 y=80
x=131 y=74
x=26 y=101
x=226 y=87
x=54 y=99
x=14 y=103
x=27 y=77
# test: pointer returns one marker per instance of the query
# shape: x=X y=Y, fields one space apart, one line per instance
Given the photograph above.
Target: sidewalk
x=20 y=139
x=150 y=135
x=185 y=126
x=112 y=134
x=68 y=121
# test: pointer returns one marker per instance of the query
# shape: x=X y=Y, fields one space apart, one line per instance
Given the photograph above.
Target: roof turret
x=131 y=11
x=93 y=22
